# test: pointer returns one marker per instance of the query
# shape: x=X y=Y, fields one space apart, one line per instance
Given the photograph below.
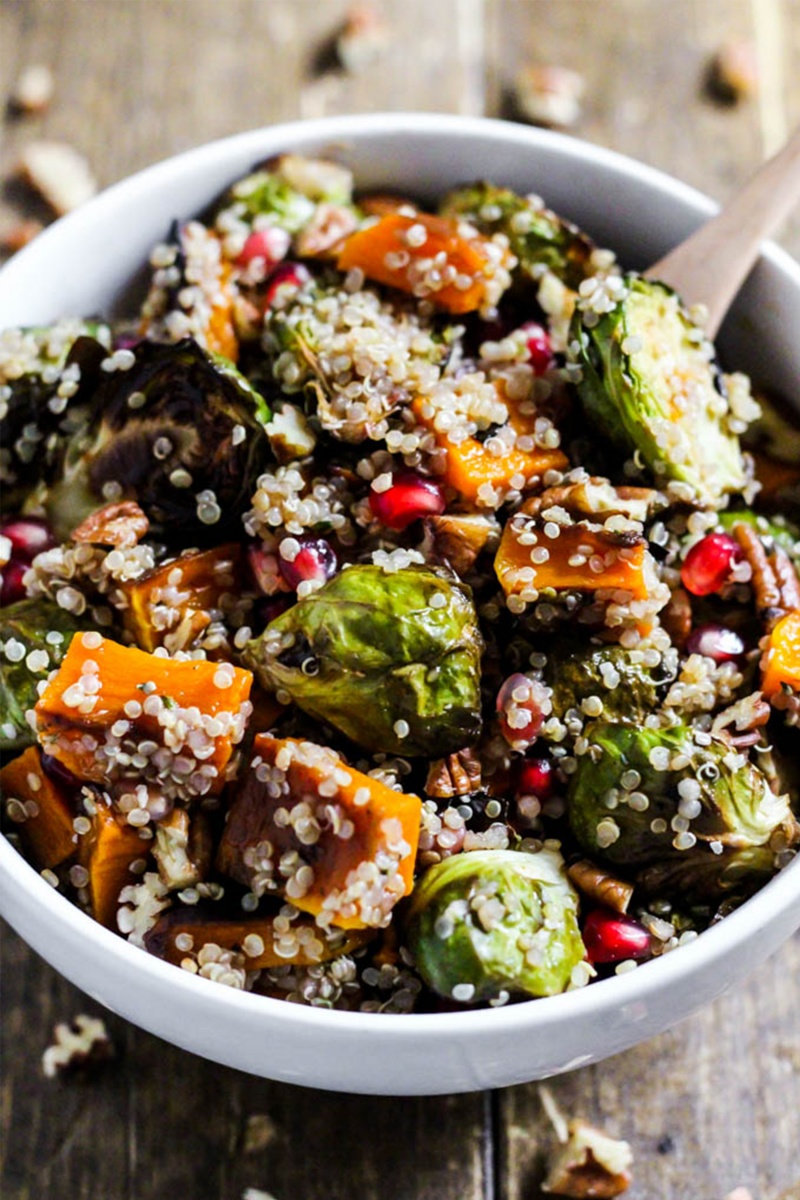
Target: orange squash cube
x=46 y=829
x=107 y=852
x=580 y=558
x=780 y=663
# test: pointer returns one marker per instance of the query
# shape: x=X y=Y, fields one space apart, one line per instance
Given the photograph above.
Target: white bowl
x=83 y=265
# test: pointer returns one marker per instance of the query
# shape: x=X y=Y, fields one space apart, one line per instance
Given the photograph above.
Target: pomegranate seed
x=29 y=536
x=284 y=280
x=315 y=561
x=265 y=570
x=13 y=589
x=708 y=565
x=522 y=705
x=408 y=497
x=539 y=348
x=610 y=937
x=717 y=642
x=270 y=245
x=536 y=778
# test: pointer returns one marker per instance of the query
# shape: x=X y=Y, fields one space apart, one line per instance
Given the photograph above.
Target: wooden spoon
x=711 y=265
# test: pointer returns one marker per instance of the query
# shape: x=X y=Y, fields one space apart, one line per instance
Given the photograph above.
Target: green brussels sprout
x=372 y=654
x=43 y=390
x=630 y=807
x=182 y=432
x=289 y=190
x=648 y=384
x=493 y=921
x=629 y=690
x=538 y=237
x=34 y=637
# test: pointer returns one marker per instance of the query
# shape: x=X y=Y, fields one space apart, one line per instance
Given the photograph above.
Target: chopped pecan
x=596 y=497
x=747 y=716
x=599 y=886
x=775 y=582
x=113 y=525
x=677 y=616
x=459 y=538
x=589 y=1164
x=329 y=225
x=457 y=775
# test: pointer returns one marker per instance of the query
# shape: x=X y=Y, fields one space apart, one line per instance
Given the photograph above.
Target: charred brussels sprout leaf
x=648 y=385
x=538 y=237
x=181 y=433
x=34 y=637
x=370 y=654
x=494 y=921
x=628 y=689
x=44 y=374
x=701 y=822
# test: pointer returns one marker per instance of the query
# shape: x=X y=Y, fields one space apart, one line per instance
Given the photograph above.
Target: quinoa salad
x=400 y=612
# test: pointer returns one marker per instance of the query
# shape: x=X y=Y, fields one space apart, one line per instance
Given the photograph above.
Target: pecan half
x=775 y=582
x=590 y=1164
x=113 y=525
x=596 y=497
x=458 y=538
x=457 y=775
x=741 y=722
x=599 y=886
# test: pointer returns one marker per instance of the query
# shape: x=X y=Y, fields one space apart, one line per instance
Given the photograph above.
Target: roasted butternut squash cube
x=780 y=663
x=264 y=940
x=336 y=843
x=577 y=558
x=107 y=852
x=174 y=604
x=113 y=713
x=42 y=811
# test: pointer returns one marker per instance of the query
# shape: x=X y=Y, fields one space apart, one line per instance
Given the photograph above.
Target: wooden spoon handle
x=711 y=265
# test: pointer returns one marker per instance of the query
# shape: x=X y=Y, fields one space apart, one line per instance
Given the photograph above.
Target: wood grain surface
x=708 y=1106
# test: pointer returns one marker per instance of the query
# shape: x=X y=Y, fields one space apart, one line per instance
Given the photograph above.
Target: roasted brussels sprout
x=288 y=191
x=43 y=373
x=627 y=688
x=538 y=237
x=648 y=383
x=490 y=922
x=643 y=797
x=392 y=659
x=181 y=432
x=34 y=637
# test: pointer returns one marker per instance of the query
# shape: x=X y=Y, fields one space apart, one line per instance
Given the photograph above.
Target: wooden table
x=716 y=1102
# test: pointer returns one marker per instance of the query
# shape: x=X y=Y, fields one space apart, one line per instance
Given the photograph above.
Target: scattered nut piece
x=363 y=38
x=79 y=1046
x=589 y=1164
x=18 y=234
x=457 y=775
x=256 y=1194
x=548 y=95
x=740 y=1193
x=113 y=525
x=58 y=173
x=33 y=90
x=733 y=72
x=600 y=886
x=259 y=1131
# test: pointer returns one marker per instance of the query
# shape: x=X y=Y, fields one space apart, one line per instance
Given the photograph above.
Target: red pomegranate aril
x=271 y=245
x=522 y=705
x=540 y=349
x=708 y=565
x=13 y=588
x=265 y=570
x=29 y=536
x=407 y=498
x=536 y=778
x=611 y=938
x=315 y=561
x=717 y=642
x=287 y=278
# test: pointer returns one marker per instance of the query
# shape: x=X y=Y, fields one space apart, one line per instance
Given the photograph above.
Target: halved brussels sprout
x=391 y=659
x=34 y=637
x=538 y=237
x=642 y=798
x=648 y=383
x=181 y=432
x=628 y=689
x=43 y=395
x=495 y=921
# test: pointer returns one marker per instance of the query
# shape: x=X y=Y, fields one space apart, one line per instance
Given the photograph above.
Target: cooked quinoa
x=394 y=617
